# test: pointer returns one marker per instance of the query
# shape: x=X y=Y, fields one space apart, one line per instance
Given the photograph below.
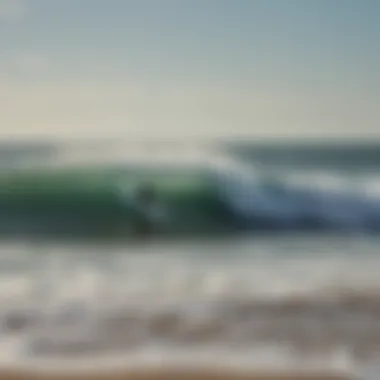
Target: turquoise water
x=86 y=200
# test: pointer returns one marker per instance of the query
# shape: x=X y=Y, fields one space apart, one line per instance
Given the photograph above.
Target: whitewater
x=293 y=290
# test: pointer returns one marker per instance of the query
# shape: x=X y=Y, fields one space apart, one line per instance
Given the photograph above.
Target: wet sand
x=170 y=374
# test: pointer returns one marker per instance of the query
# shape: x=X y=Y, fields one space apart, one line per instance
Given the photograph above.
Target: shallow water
x=296 y=301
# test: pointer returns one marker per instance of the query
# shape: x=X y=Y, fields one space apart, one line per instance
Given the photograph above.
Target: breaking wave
x=202 y=192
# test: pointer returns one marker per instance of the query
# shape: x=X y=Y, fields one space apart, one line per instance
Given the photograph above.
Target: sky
x=189 y=68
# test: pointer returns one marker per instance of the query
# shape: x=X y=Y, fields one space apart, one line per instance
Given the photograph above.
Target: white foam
x=71 y=304
x=153 y=155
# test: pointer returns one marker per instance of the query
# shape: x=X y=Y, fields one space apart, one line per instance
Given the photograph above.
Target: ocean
x=266 y=266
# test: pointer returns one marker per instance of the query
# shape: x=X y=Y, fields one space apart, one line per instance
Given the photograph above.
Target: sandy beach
x=169 y=374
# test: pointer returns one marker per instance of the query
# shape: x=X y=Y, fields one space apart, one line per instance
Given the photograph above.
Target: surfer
x=149 y=212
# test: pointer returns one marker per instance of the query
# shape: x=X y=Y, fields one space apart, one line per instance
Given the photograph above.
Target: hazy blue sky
x=189 y=67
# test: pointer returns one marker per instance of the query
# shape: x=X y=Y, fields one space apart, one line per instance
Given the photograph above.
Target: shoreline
x=171 y=374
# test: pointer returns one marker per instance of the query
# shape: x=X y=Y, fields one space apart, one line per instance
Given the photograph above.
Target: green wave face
x=100 y=198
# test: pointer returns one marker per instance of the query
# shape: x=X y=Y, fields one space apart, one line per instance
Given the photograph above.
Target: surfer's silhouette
x=147 y=206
